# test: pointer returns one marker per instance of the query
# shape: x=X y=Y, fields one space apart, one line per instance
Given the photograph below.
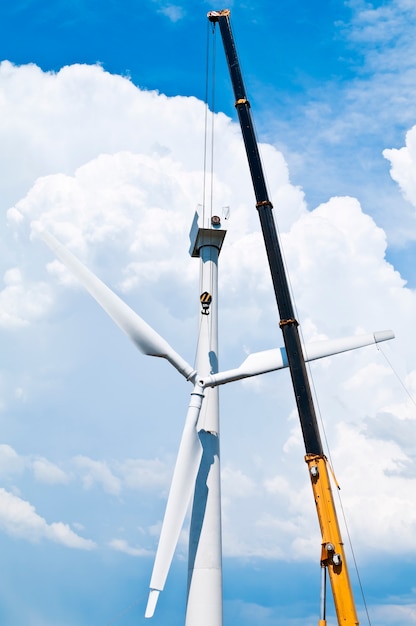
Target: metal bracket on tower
x=201 y=237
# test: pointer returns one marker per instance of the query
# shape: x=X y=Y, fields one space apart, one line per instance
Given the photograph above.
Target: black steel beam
x=288 y=323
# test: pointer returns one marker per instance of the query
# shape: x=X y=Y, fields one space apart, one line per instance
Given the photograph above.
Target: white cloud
x=10 y=462
x=47 y=472
x=98 y=205
x=335 y=130
x=13 y=464
x=120 y=545
x=402 y=612
x=235 y=484
x=124 y=201
x=19 y=518
x=336 y=258
x=150 y=475
x=123 y=191
x=403 y=162
x=376 y=24
x=22 y=302
x=62 y=533
x=97 y=472
x=173 y=12
x=147 y=474
x=373 y=462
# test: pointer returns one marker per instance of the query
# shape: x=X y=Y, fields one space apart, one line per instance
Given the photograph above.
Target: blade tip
x=383 y=335
x=151 y=602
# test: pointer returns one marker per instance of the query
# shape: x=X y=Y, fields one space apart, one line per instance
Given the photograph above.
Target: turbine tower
x=204 y=602
x=198 y=461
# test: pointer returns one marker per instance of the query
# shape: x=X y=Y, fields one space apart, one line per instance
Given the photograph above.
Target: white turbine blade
x=146 y=339
x=183 y=483
x=271 y=360
x=315 y=350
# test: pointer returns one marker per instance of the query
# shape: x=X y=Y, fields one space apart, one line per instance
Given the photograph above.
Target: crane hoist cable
x=209 y=123
x=209 y=139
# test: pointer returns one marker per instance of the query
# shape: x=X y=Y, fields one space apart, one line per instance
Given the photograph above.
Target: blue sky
x=101 y=140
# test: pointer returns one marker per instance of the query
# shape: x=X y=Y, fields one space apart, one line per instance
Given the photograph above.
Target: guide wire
x=412 y=399
x=397 y=375
x=213 y=104
x=379 y=348
x=357 y=572
x=208 y=161
x=126 y=610
x=338 y=490
x=206 y=121
x=213 y=85
x=210 y=84
x=325 y=438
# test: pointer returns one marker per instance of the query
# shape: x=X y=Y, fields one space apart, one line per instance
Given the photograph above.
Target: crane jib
x=290 y=332
x=332 y=556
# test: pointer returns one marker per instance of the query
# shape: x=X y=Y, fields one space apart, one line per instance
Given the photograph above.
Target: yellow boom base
x=332 y=556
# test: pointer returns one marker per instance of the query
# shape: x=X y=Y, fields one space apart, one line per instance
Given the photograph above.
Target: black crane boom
x=288 y=322
x=332 y=549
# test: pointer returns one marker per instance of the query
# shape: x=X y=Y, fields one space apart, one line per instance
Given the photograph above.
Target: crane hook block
x=205 y=299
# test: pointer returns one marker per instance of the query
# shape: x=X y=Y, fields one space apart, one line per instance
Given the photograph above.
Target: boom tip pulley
x=214 y=16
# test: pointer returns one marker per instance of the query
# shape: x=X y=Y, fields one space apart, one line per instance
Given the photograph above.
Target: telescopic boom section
x=332 y=559
x=288 y=323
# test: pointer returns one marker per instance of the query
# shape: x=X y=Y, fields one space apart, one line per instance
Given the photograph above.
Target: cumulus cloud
x=172 y=11
x=336 y=258
x=121 y=545
x=150 y=475
x=117 y=179
x=393 y=613
x=147 y=474
x=403 y=161
x=97 y=472
x=47 y=472
x=374 y=24
x=133 y=203
x=10 y=462
x=267 y=516
x=22 y=302
x=13 y=464
x=132 y=195
x=20 y=519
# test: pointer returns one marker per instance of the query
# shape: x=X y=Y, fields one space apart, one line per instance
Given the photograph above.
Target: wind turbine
x=197 y=469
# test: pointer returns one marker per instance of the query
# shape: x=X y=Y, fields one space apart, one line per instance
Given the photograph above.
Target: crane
x=333 y=559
